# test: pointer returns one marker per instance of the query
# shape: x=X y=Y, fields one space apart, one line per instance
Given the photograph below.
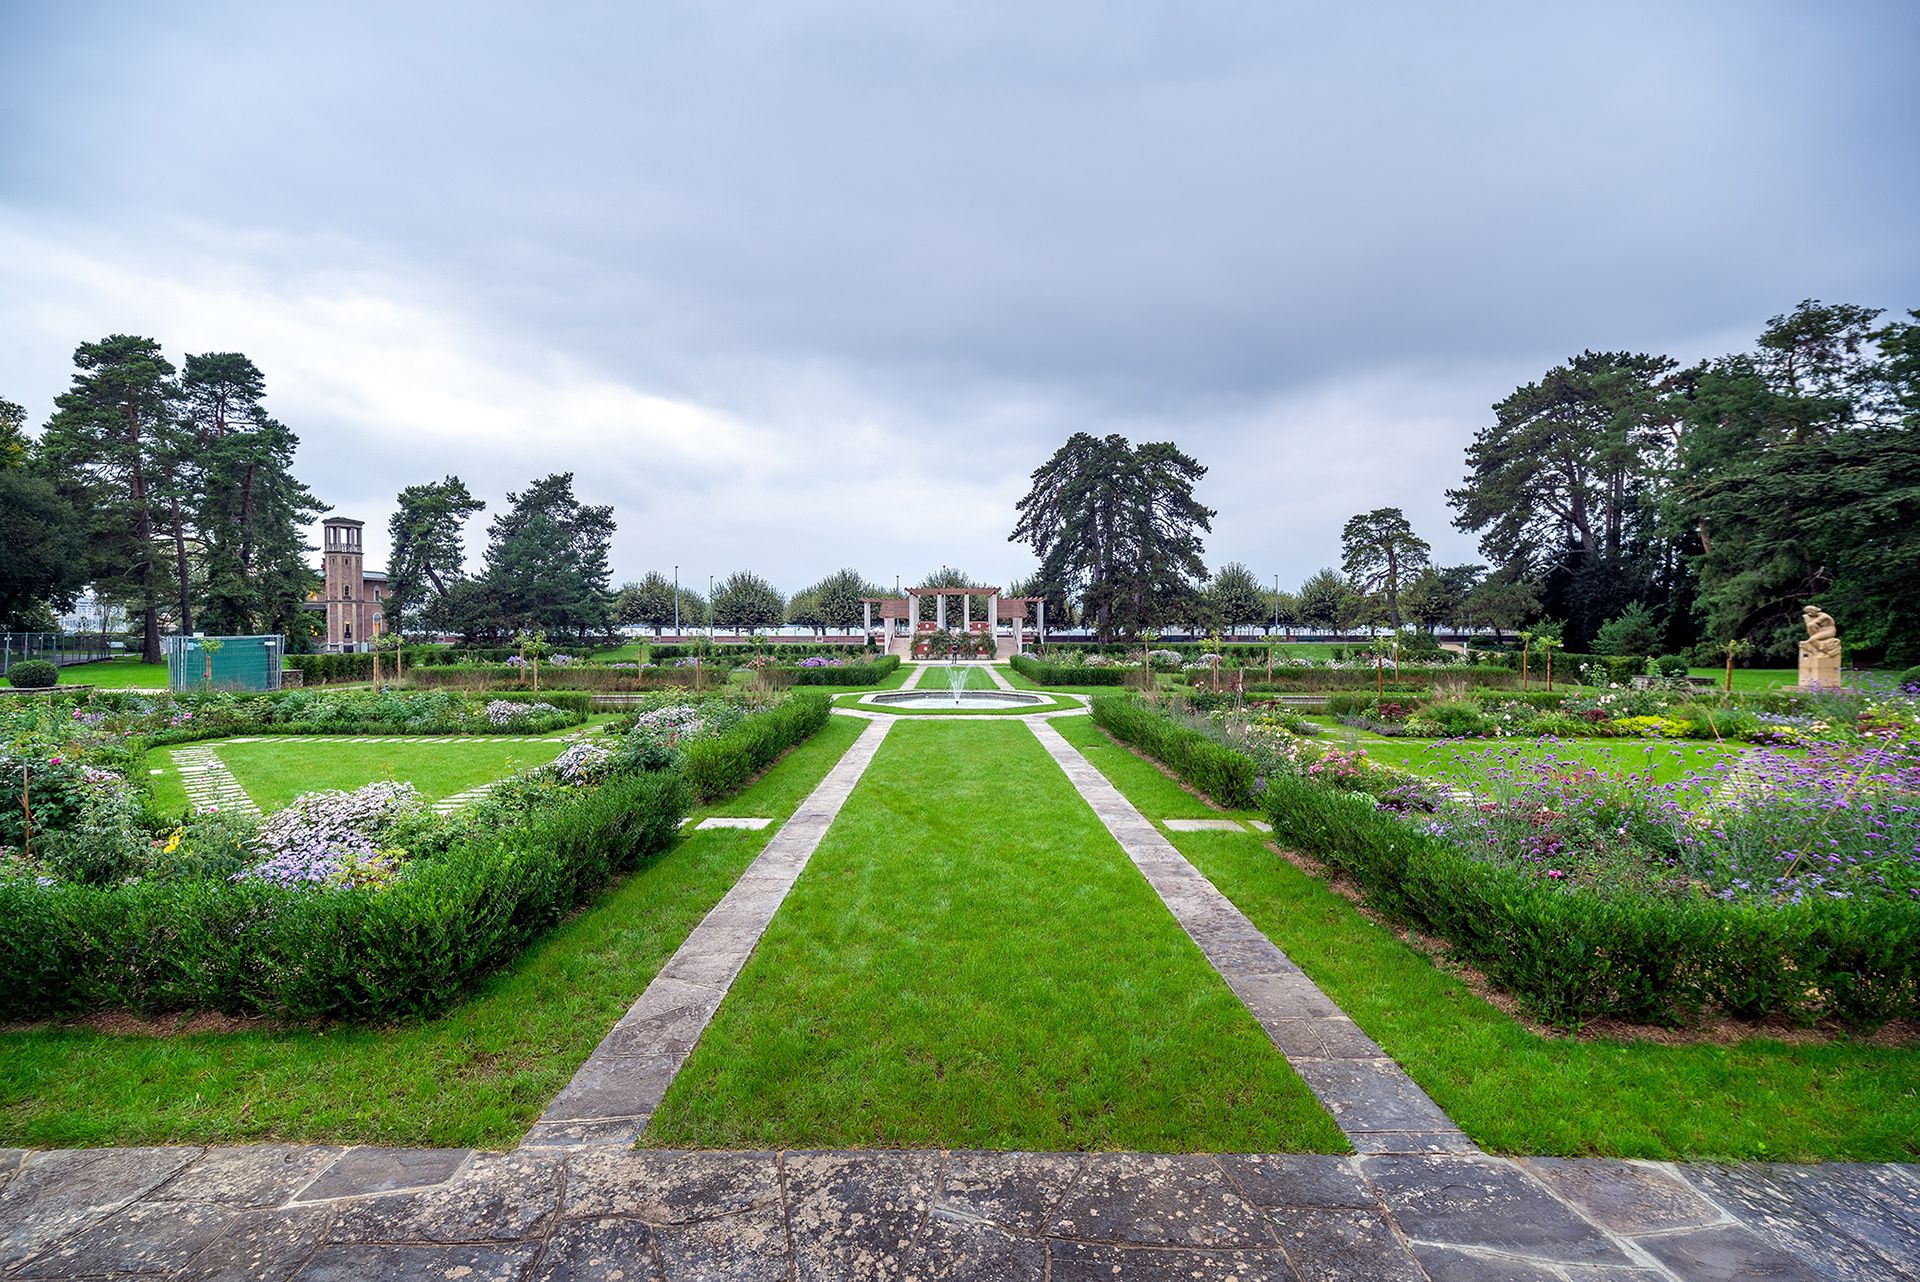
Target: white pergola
x=906 y=609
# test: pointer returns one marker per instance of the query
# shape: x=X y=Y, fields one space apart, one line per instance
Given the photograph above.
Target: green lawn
x=117 y=674
x=940 y=677
x=1751 y=679
x=1516 y=1091
x=1664 y=760
x=275 y=773
x=970 y=961
x=477 y=1076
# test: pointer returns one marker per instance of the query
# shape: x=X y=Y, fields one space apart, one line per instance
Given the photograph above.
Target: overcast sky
x=796 y=286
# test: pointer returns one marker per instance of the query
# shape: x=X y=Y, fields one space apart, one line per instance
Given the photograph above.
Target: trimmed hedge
x=1574 y=954
x=1299 y=680
x=1213 y=768
x=1064 y=674
x=871 y=673
x=727 y=763
x=406 y=950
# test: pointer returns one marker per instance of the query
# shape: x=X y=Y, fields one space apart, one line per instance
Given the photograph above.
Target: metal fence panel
x=60 y=650
x=249 y=664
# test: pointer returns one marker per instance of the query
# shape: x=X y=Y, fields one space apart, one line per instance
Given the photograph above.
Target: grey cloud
x=995 y=225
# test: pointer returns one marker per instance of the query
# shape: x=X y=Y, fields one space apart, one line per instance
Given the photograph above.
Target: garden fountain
x=956 y=697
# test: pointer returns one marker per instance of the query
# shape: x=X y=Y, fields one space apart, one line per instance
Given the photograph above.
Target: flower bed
x=1794 y=893
x=352 y=905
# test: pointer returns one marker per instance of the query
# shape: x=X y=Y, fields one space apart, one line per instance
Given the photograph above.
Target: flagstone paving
x=209 y=784
x=545 y=1214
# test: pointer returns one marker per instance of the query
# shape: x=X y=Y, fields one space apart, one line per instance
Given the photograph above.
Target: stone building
x=352 y=596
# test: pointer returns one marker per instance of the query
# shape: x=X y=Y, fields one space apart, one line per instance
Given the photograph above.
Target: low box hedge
x=1067 y=674
x=1211 y=767
x=1573 y=954
x=727 y=763
x=870 y=673
x=406 y=950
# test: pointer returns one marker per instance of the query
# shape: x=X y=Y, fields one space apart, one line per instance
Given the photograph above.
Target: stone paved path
x=546 y=1214
x=1379 y=1107
x=614 y=1095
x=456 y=801
x=208 y=782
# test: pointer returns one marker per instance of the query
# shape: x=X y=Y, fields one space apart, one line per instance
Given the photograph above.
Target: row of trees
x=546 y=564
x=1716 y=499
x=168 y=489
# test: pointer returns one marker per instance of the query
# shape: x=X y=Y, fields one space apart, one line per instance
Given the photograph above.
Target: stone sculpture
x=1820 y=652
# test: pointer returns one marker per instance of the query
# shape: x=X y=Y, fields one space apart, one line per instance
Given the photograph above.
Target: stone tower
x=344 y=570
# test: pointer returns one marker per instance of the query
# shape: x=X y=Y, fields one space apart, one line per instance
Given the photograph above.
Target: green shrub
x=32 y=674
x=1911 y=677
x=1204 y=763
x=1068 y=674
x=1457 y=719
x=726 y=763
x=250 y=949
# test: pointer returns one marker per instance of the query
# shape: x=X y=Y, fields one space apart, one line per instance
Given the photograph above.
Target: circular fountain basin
x=961 y=701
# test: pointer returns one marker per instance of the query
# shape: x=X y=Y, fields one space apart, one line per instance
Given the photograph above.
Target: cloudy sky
x=795 y=286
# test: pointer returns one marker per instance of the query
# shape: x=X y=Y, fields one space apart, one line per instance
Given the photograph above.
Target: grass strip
x=1517 y=1091
x=971 y=961
x=1471 y=761
x=477 y=1076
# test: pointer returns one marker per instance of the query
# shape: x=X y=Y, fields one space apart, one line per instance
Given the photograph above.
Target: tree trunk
x=180 y=569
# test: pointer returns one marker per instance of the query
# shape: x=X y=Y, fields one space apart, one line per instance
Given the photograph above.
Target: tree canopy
x=547 y=560
x=1118 y=527
x=1380 y=552
x=427 y=547
x=745 y=602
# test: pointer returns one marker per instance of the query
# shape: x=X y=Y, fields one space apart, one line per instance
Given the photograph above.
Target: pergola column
x=940 y=611
x=866 y=620
x=966 y=611
x=1042 y=637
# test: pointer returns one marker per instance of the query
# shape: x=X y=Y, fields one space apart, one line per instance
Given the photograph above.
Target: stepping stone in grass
x=1203 y=825
x=719 y=822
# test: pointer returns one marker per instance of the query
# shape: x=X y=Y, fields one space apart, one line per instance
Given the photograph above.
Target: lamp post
x=676 y=603
x=1276 y=603
x=709 y=607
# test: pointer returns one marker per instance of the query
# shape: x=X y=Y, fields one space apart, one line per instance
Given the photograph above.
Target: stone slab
x=55 y=1194
x=1625 y=1197
x=1344 y=1245
x=360 y=1171
x=1203 y=825
x=853 y=1214
x=1147 y=1200
x=496 y=1197
x=1728 y=1253
x=254 y=1175
x=1487 y=1203
x=506 y=1262
x=721 y=821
